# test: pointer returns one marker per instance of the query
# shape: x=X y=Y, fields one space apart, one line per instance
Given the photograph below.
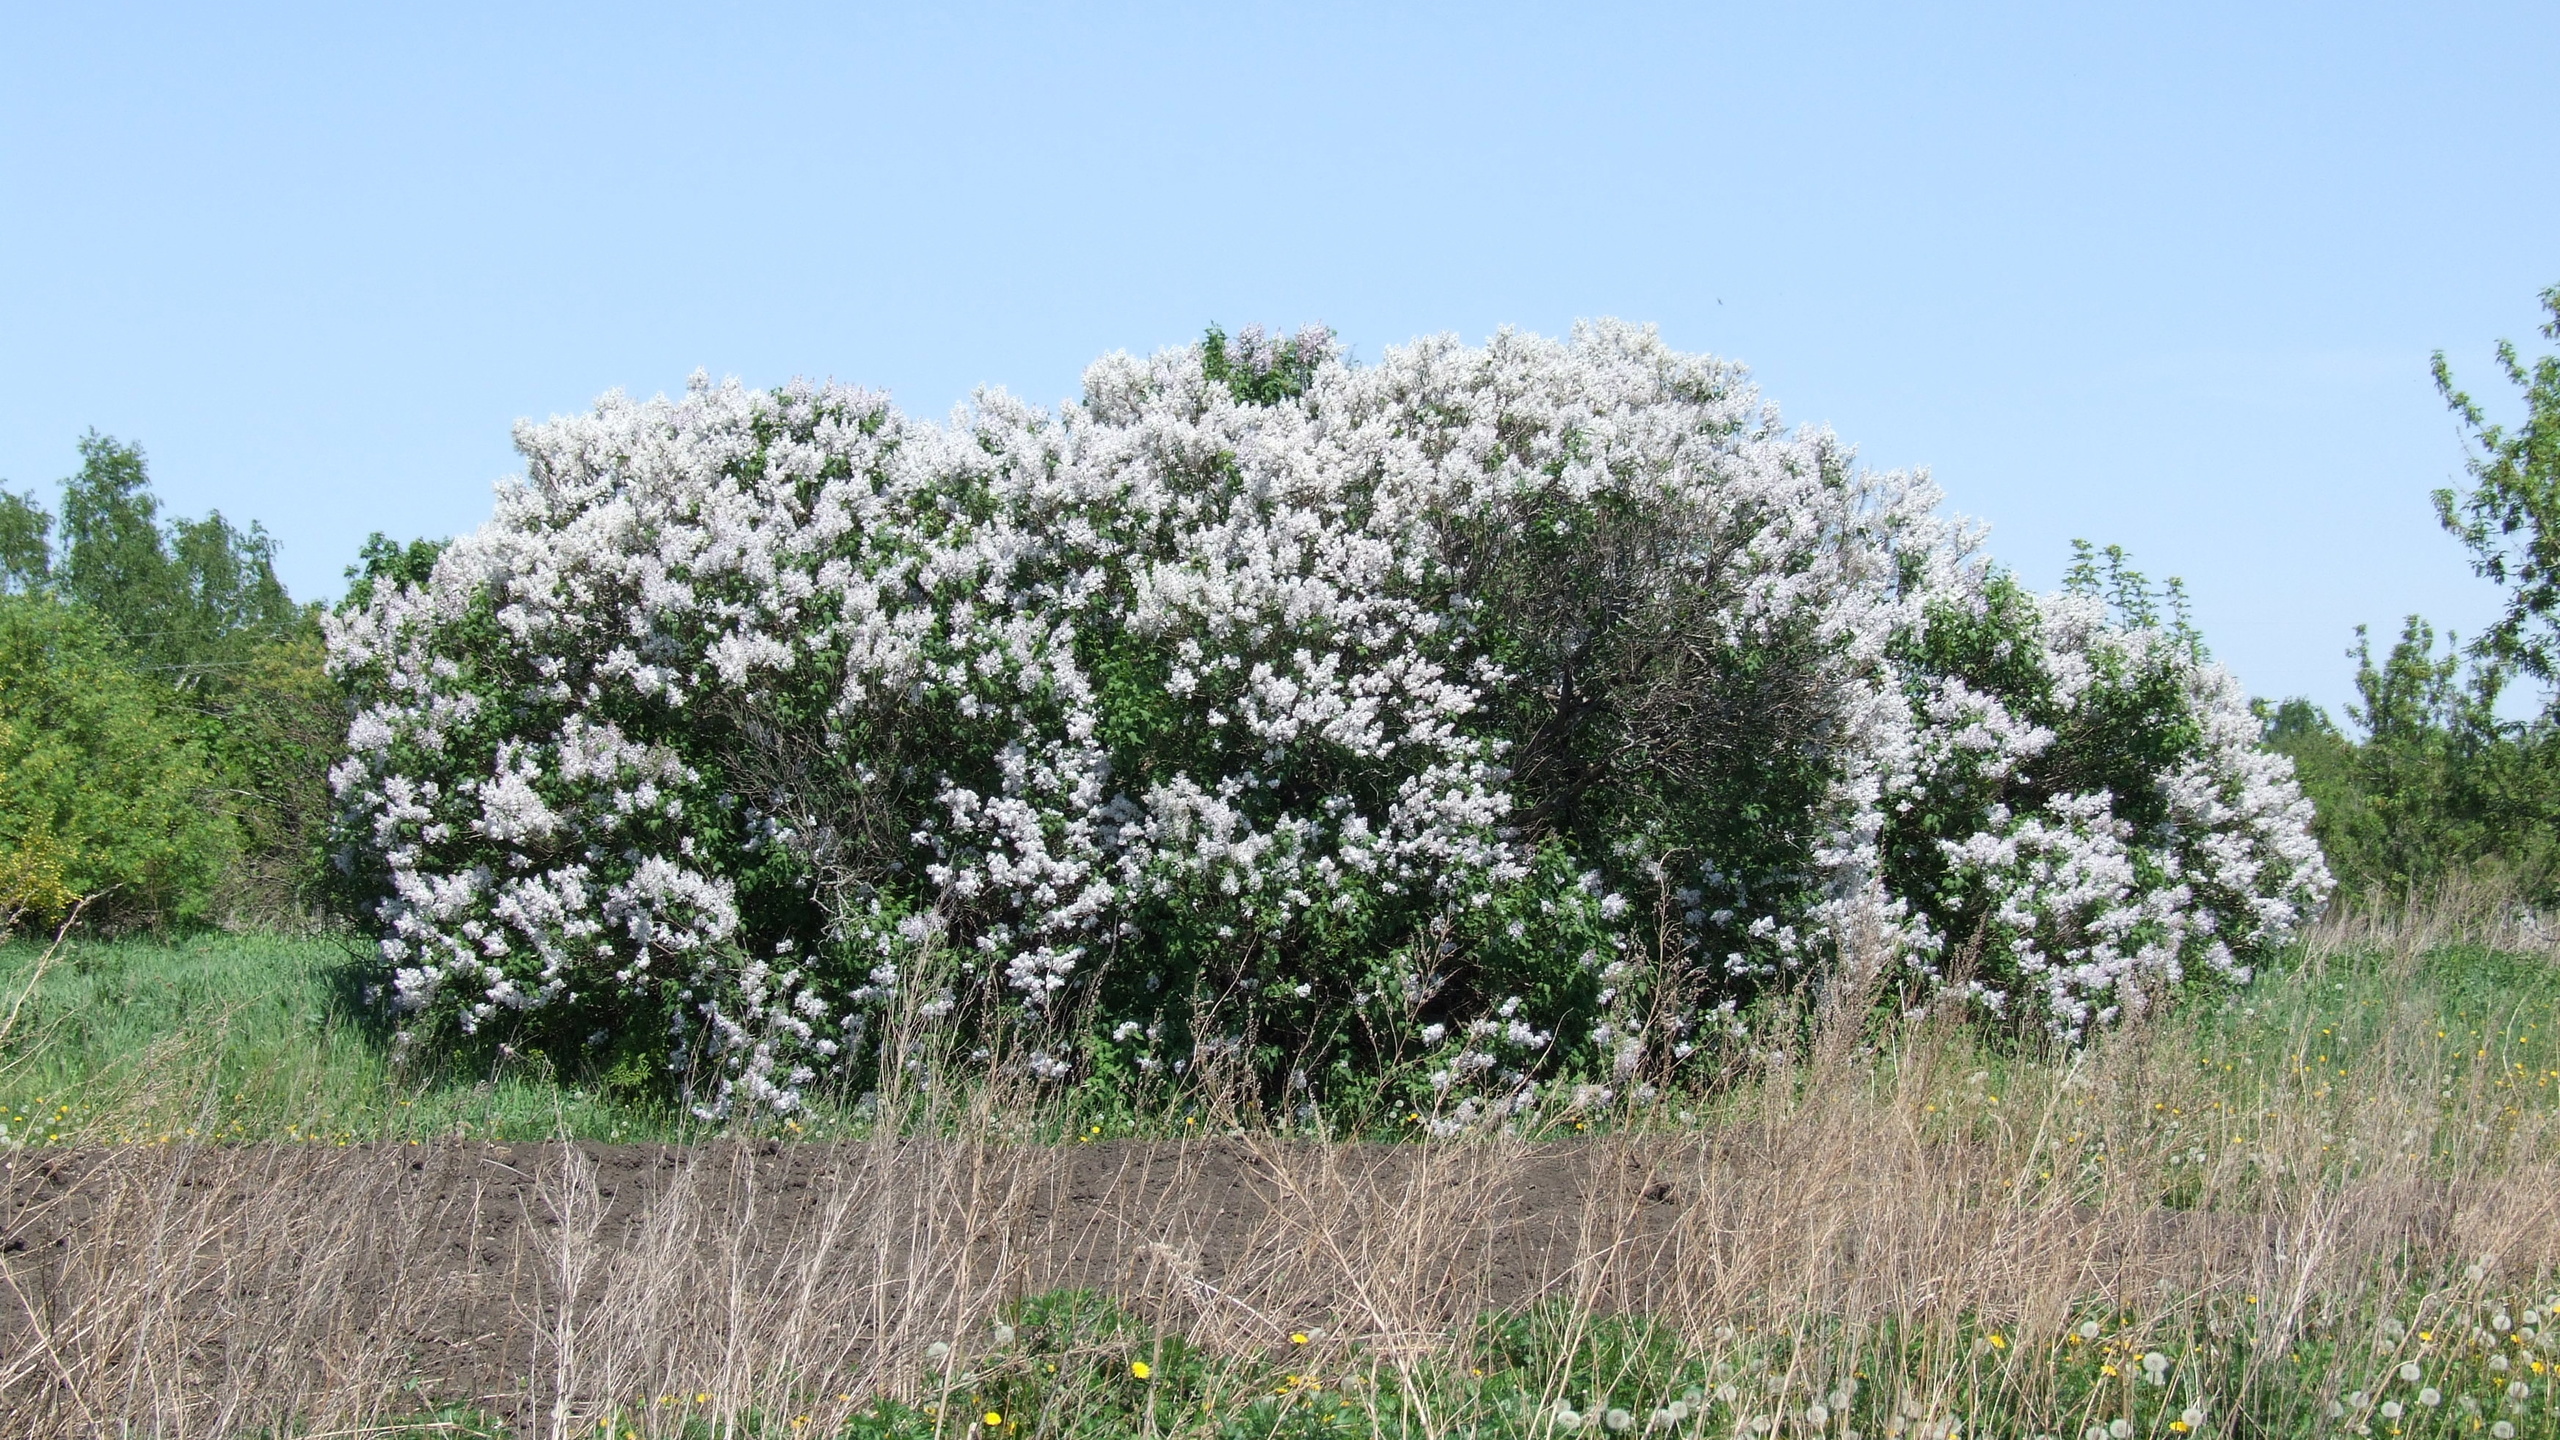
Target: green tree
x=189 y=598
x=26 y=544
x=97 y=772
x=2439 y=786
x=272 y=728
x=195 y=605
x=2510 y=518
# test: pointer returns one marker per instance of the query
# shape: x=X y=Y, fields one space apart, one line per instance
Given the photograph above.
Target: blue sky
x=2161 y=275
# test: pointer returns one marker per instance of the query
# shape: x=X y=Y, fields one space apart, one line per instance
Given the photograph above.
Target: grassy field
x=1903 y=1232
x=251 y=1038
x=244 y=1037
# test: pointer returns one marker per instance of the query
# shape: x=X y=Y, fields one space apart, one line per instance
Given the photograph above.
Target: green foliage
x=2438 y=786
x=227 y=660
x=94 y=764
x=2129 y=592
x=2510 y=518
x=188 y=598
x=31 y=879
x=1262 y=370
x=257 y=1038
x=272 y=727
x=26 y=545
x=382 y=560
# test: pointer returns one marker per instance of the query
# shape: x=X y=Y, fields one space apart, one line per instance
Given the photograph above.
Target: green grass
x=2466 y=1040
x=238 y=1038
x=2460 y=1010
x=1071 y=1364
x=242 y=1038
x=222 y=1037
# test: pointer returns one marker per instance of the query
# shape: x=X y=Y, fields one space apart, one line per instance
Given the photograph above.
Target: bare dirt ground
x=450 y=1262
x=214 y=1288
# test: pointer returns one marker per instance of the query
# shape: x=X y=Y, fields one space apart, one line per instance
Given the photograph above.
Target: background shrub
x=192 y=645
x=98 y=778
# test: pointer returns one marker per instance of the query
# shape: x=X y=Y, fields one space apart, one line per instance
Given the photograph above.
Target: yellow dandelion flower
x=994 y=1419
x=1140 y=1369
x=1997 y=1343
x=1299 y=1338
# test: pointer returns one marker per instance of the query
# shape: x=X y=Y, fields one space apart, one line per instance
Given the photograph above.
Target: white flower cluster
x=748 y=708
x=2108 y=815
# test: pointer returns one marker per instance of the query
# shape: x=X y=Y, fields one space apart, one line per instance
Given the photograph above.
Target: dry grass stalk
x=208 y=1291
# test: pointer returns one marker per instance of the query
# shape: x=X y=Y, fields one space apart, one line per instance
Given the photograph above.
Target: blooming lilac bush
x=1491 y=718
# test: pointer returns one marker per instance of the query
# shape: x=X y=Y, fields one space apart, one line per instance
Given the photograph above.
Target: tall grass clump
x=2321 y=1206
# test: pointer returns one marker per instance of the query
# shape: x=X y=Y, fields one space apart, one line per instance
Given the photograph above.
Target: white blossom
x=739 y=655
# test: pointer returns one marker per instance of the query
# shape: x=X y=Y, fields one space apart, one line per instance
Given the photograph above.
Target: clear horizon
x=2166 y=280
